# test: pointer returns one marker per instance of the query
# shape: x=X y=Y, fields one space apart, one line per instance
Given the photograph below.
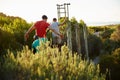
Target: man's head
x=54 y=19
x=44 y=17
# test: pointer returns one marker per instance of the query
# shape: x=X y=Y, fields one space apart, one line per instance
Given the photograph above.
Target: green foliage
x=110 y=45
x=106 y=34
x=116 y=54
x=116 y=34
x=63 y=27
x=73 y=20
x=93 y=29
x=112 y=63
x=12 y=30
x=7 y=40
x=94 y=45
x=48 y=64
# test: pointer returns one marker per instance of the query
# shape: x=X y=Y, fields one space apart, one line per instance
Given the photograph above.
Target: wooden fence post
x=69 y=36
x=77 y=32
x=86 y=42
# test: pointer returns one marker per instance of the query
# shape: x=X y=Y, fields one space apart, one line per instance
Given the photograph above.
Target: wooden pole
x=86 y=42
x=77 y=32
x=69 y=36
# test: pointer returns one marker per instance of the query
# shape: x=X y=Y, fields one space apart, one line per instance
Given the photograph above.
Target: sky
x=87 y=10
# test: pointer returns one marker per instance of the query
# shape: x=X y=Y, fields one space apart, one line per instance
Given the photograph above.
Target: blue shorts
x=37 y=42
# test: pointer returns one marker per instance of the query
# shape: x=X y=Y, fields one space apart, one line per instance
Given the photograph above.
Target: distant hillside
x=12 y=30
x=6 y=19
x=103 y=23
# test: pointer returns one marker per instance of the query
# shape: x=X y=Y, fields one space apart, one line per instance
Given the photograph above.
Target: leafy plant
x=48 y=63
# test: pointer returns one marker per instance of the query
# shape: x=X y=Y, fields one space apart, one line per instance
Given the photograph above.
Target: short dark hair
x=44 y=17
x=54 y=19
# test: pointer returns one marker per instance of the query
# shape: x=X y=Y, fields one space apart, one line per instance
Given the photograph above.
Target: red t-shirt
x=41 y=27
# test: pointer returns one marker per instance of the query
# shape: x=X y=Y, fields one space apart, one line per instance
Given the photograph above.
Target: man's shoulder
x=55 y=23
x=39 y=21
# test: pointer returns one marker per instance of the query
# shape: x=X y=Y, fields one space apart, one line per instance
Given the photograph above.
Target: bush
x=48 y=64
x=7 y=40
x=94 y=45
x=115 y=36
x=110 y=45
x=107 y=33
x=112 y=63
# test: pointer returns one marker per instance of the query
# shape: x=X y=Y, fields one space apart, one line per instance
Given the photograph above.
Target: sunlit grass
x=49 y=64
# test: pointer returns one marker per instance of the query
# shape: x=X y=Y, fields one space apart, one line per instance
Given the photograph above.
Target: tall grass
x=48 y=64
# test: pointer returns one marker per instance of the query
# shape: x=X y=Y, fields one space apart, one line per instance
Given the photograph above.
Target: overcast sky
x=87 y=10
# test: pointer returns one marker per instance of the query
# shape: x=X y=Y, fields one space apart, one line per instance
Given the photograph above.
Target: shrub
x=107 y=33
x=116 y=34
x=94 y=45
x=112 y=63
x=48 y=64
x=110 y=45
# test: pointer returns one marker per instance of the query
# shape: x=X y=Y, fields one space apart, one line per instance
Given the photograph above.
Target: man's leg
x=35 y=44
x=59 y=43
x=54 y=41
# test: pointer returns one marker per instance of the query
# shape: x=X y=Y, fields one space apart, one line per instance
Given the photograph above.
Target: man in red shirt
x=40 y=27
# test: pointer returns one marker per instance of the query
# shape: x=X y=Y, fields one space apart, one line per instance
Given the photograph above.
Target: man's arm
x=56 y=32
x=26 y=36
